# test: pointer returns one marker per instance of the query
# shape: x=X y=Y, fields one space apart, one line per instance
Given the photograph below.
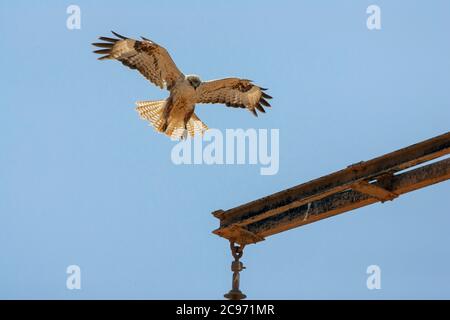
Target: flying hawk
x=175 y=116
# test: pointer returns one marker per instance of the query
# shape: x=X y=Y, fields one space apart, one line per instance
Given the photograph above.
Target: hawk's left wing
x=234 y=92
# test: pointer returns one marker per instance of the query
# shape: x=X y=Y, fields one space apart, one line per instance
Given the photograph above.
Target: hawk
x=175 y=115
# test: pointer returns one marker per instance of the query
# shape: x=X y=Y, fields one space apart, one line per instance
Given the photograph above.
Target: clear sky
x=84 y=181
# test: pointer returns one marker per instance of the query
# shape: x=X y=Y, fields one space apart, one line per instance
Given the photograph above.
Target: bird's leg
x=164 y=126
x=166 y=114
x=187 y=117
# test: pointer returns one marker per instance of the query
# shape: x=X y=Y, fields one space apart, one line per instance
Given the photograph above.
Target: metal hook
x=236 y=266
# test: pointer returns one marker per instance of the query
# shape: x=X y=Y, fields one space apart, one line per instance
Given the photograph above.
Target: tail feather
x=152 y=111
x=196 y=126
x=175 y=129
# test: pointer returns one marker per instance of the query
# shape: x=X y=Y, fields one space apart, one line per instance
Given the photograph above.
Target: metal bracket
x=374 y=191
x=238 y=234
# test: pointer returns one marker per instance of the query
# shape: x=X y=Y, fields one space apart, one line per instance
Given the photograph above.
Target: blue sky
x=84 y=181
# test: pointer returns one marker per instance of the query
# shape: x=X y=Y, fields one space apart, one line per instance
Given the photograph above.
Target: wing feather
x=234 y=92
x=150 y=59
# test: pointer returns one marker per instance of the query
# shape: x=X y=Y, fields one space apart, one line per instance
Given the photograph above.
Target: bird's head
x=194 y=81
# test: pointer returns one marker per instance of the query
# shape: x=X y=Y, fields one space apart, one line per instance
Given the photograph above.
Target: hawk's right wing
x=149 y=58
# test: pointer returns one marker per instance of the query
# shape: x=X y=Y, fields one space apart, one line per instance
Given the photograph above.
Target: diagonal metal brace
x=374 y=191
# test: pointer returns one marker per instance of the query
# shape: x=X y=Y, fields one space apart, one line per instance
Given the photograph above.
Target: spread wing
x=234 y=92
x=149 y=58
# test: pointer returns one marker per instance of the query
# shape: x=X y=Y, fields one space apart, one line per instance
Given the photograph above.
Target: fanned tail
x=153 y=111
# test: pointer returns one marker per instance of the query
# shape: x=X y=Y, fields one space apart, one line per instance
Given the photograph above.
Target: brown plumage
x=175 y=115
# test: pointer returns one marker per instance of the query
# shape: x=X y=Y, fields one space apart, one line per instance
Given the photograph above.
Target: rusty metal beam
x=350 y=200
x=336 y=193
x=339 y=181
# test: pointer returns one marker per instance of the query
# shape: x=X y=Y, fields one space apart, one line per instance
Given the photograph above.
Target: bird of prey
x=175 y=115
